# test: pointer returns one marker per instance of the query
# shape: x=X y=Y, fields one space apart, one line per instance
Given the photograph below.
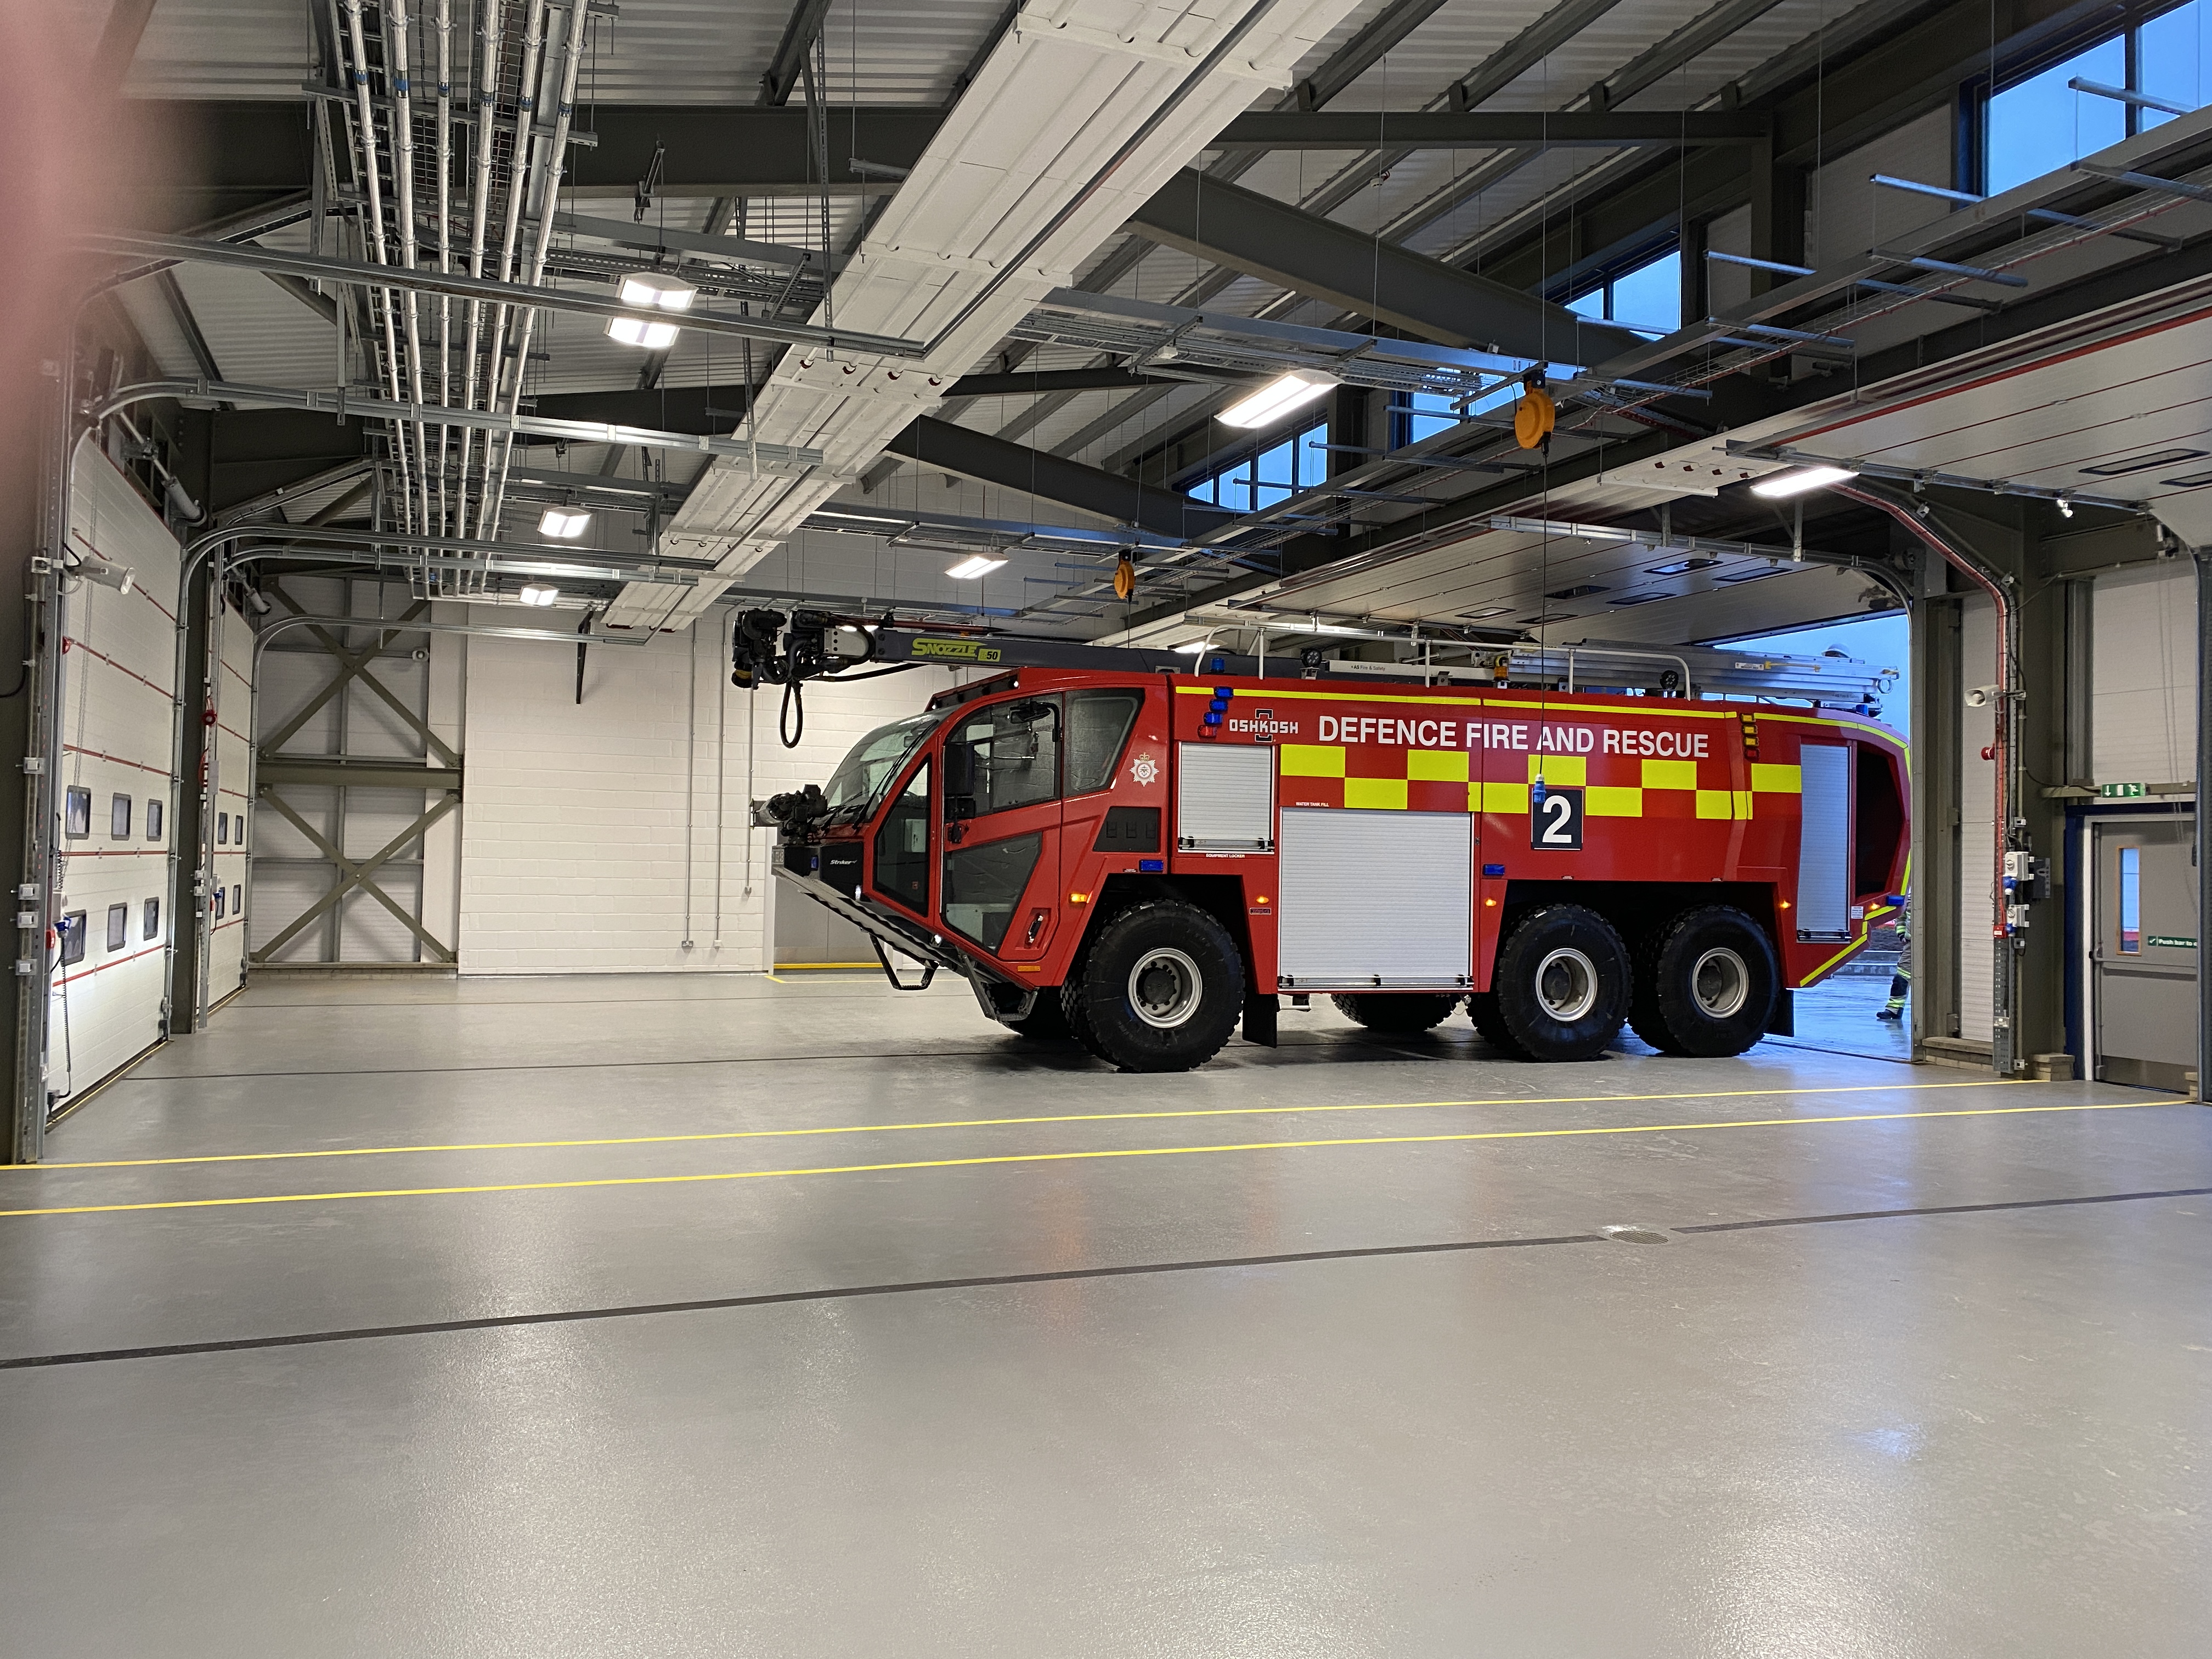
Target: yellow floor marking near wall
x=1065 y=1157
x=993 y=1123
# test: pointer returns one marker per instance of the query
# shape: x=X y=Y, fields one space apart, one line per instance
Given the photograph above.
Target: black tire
x=1072 y=1010
x=1160 y=989
x=1482 y=1009
x=1045 y=1021
x=1705 y=984
x=1402 y=1012
x=1562 y=983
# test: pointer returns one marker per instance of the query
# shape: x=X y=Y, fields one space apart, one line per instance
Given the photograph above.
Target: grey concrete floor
x=1318 y=1351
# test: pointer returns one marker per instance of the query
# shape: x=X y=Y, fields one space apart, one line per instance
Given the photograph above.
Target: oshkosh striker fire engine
x=1139 y=859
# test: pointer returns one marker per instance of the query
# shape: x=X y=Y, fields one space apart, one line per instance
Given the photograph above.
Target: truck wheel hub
x=1566 y=984
x=1720 y=983
x=1164 y=987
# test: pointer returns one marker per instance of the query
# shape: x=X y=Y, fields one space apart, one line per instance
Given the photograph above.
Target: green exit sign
x=2121 y=790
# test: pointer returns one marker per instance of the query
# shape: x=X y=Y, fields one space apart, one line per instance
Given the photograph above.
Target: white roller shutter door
x=118 y=708
x=1384 y=900
x=1225 y=798
x=1824 y=842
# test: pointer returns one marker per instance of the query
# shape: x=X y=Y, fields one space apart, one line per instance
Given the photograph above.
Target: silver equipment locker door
x=1824 y=841
x=1226 y=797
x=1378 y=899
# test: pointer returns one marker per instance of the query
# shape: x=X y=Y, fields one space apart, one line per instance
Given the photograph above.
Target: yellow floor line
x=1062 y=1158
x=990 y=1123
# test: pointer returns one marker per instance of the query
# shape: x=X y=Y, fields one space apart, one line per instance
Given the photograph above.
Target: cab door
x=998 y=882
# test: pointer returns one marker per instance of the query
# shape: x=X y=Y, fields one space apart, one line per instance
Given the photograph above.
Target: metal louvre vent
x=1383 y=900
x=1225 y=798
x=1824 y=841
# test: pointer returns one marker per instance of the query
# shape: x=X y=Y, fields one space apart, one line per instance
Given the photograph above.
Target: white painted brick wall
x=573 y=836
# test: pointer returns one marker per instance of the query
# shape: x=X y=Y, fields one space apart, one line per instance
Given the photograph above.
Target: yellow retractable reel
x=1125 y=578
x=1535 y=415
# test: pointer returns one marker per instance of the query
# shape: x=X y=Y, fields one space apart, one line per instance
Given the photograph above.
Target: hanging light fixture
x=563 y=524
x=975 y=566
x=1783 y=485
x=537 y=593
x=638 y=331
x=1279 y=397
x=649 y=290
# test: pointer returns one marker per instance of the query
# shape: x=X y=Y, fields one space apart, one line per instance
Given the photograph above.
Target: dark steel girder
x=944 y=448
x=1240 y=228
x=1488 y=130
x=242 y=151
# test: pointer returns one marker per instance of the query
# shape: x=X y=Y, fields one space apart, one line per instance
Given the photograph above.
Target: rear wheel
x=1396 y=1011
x=1562 y=983
x=1705 y=985
x=1160 y=989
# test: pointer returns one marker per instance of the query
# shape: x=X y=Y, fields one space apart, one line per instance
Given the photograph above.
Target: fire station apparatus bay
x=796 y=1315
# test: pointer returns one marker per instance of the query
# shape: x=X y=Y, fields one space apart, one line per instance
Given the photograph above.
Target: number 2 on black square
x=1555 y=822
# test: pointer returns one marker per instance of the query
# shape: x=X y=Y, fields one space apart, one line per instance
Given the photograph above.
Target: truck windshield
x=862 y=776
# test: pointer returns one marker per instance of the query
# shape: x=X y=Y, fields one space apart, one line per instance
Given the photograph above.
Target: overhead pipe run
x=572 y=59
x=2004 y=751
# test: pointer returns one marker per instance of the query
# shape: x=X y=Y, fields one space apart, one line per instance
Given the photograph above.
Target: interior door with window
x=2144 y=950
x=1000 y=872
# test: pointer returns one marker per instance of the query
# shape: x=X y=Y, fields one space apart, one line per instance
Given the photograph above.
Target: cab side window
x=1098 y=724
x=1003 y=756
x=903 y=847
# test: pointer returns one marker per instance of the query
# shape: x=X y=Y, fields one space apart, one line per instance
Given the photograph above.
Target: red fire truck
x=1139 y=861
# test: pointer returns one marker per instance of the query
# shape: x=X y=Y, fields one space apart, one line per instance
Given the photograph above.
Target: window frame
x=1978 y=94
x=1248 y=454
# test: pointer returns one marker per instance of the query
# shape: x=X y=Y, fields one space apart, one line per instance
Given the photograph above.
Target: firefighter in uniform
x=1901 y=980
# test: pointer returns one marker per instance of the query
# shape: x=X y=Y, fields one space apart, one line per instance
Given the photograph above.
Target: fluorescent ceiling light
x=979 y=564
x=637 y=331
x=1783 y=485
x=534 y=594
x=1193 y=647
x=651 y=291
x=1279 y=397
x=563 y=524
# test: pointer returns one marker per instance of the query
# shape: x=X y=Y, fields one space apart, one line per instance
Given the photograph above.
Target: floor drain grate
x=1633 y=1235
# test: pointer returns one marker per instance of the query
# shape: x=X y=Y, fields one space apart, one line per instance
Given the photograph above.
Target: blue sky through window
x=2039 y=124
x=1647 y=299
x=1273 y=475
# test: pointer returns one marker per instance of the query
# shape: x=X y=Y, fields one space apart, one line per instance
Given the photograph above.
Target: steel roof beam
x=942 y=447
x=791 y=52
x=308 y=267
x=1489 y=129
x=1229 y=225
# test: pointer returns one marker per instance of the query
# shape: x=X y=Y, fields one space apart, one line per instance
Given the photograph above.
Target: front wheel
x=1046 y=1022
x=1705 y=986
x=1562 y=983
x=1161 y=988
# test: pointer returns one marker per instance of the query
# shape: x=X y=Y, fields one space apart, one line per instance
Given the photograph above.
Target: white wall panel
x=573 y=841
x=117 y=708
x=2143 y=676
